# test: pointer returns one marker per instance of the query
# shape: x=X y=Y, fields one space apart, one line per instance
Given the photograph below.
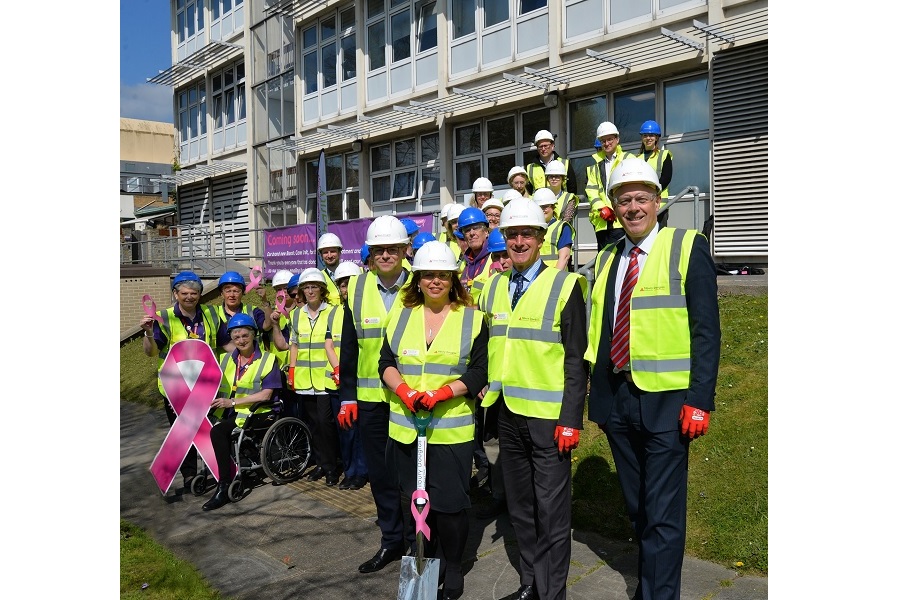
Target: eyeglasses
x=475 y=227
x=550 y=206
x=492 y=215
x=608 y=140
x=525 y=233
x=483 y=194
x=392 y=250
x=442 y=275
x=544 y=146
x=554 y=176
x=641 y=200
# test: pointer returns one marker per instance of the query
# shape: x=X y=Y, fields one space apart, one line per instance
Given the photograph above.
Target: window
x=397 y=62
x=189 y=22
x=192 y=123
x=229 y=112
x=329 y=65
x=427 y=23
x=227 y=18
x=398 y=168
x=463 y=17
x=687 y=120
x=630 y=109
x=341 y=187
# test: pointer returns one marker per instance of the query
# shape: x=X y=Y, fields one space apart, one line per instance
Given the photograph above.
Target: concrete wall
x=146 y=141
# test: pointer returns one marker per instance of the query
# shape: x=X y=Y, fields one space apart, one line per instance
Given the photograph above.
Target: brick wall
x=134 y=282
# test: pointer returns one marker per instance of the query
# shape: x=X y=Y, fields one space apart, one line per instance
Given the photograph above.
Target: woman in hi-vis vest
x=434 y=358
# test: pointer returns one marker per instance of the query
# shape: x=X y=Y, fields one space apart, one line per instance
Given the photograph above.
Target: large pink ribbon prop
x=190 y=377
x=256 y=277
x=150 y=307
x=419 y=517
x=280 y=299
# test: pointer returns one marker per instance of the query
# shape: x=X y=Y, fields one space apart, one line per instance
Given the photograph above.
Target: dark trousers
x=350 y=443
x=189 y=465
x=317 y=408
x=539 y=499
x=220 y=438
x=373 y=428
x=653 y=472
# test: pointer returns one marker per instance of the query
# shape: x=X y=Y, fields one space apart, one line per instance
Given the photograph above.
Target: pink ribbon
x=190 y=377
x=150 y=309
x=280 y=299
x=420 y=516
x=255 y=281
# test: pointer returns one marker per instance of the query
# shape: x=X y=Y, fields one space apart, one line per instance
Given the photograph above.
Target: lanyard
x=193 y=331
x=239 y=372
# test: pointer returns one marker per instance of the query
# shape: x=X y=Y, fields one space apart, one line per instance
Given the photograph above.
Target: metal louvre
x=193 y=209
x=230 y=209
x=214 y=53
x=740 y=151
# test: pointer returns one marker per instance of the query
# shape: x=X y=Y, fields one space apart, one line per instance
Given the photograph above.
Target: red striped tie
x=619 y=353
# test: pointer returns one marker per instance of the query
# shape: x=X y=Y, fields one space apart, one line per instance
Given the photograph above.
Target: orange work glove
x=408 y=396
x=607 y=214
x=430 y=398
x=566 y=438
x=348 y=415
x=336 y=375
x=694 y=421
x=291 y=377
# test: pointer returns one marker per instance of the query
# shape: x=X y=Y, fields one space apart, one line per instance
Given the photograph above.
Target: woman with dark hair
x=434 y=358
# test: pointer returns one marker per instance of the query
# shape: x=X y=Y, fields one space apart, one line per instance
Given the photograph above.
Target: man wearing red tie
x=653 y=344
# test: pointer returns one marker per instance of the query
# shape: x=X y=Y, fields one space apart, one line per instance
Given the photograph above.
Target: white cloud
x=146 y=101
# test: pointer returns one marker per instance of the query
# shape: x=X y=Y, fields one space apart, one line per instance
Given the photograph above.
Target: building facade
x=413 y=100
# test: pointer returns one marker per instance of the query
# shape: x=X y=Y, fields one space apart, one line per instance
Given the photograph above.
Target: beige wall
x=131 y=294
x=146 y=141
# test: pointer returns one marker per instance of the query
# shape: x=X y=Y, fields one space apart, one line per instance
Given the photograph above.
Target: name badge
x=371 y=320
x=410 y=352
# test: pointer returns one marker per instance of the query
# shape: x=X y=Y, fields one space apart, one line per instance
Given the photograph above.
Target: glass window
x=430 y=147
x=630 y=109
x=329 y=65
x=381 y=188
x=495 y=11
x=405 y=153
x=526 y=6
x=309 y=38
x=381 y=158
x=687 y=105
x=501 y=133
x=468 y=139
x=374 y=8
x=534 y=121
x=335 y=206
x=334 y=176
x=584 y=117
x=328 y=29
x=348 y=57
x=404 y=185
x=690 y=165
x=400 y=36
x=463 y=15
x=467 y=172
x=376 y=46
x=625 y=10
x=352 y=205
x=427 y=26
x=310 y=73
x=352 y=169
x=348 y=20
x=431 y=181
x=499 y=166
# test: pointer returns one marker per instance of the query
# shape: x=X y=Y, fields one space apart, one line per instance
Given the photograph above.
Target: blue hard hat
x=410 y=225
x=459 y=234
x=651 y=127
x=241 y=320
x=294 y=281
x=471 y=216
x=364 y=253
x=186 y=276
x=420 y=239
x=495 y=241
x=597 y=143
x=232 y=277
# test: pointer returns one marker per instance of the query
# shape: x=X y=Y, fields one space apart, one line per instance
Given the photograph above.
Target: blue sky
x=144 y=37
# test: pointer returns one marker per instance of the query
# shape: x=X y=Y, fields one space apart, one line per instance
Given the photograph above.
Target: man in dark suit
x=654 y=342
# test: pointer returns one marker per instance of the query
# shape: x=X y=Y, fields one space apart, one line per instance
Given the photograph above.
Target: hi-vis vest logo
x=500 y=316
x=371 y=320
x=654 y=288
x=410 y=352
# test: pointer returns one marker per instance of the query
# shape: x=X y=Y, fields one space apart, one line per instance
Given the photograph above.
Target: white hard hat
x=517 y=170
x=544 y=196
x=606 y=128
x=522 y=212
x=633 y=170
x=444 y=211
x=434 y=256
x=386 y=230
x=312 y=274
x=492 y=202
x=347 y=269
x=511 y=194
x=555 y=167
x=282 y=277
x=482 y=184
x=454 y=211
x=543 y=134
x=329 y=240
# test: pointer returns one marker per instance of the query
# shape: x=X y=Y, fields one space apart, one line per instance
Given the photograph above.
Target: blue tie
x=519 y=278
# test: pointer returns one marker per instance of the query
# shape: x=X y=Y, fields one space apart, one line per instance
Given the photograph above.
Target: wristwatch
x=232 y=404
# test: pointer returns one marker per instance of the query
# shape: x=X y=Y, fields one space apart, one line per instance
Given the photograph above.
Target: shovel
x=419 y=575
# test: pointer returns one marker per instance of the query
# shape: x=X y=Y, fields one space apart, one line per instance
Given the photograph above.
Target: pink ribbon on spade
x=419 y=517
x=280 y=299
x=255 y=281
x=150 y=309
x=190 y=377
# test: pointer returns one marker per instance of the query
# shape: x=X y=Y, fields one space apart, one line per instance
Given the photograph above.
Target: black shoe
x=526 y=592
x=492 y=510
x=358 y=482
x=331 y=479
x=381 y=559
x=220 y=498
x=345 y=483
x=449 y=594
x=316 y=474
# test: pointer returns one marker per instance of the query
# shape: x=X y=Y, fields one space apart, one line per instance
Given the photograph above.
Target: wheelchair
x=278 y=445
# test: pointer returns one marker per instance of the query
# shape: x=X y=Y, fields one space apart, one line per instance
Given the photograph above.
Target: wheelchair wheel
x=286 y=450
x=236 y=490
x=199 y=485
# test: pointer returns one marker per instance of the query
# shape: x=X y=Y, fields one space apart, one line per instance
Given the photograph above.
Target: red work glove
x=430 y=398
x=336 y=375
x=607 y=214
x=566 y=437
x=291 y=377
x=348 y=414
x=408 y=396
x=694 y=421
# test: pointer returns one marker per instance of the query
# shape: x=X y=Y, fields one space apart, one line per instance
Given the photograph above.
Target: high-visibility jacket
x=656 y=160
x=659 y=335
x=430 y=368
x=550 y=247
x=250 y=382
x=335 y=324
x=284 y=322
x=248 y=310
x=174 y=331
x=536 y=175
x=563 y=199
x=525 y=349
x=596 y=188
x=334 y=295
x=370 y=319
x=309 y=368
